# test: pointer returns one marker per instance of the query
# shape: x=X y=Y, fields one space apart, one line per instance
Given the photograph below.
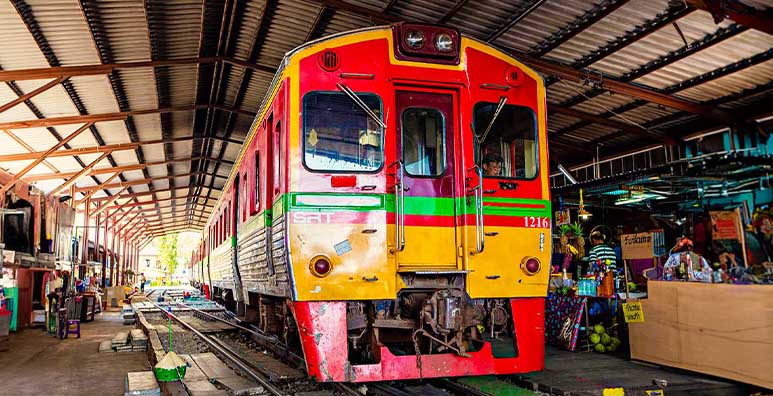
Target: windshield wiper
x=500 y=106
x=356 y=99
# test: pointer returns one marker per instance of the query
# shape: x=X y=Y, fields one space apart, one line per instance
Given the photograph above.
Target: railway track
x=273 y=384
x=218 y=348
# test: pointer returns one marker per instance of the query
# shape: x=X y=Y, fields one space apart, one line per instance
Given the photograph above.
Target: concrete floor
x=39 y=364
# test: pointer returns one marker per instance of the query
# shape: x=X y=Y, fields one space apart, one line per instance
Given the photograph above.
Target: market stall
x=720 y=329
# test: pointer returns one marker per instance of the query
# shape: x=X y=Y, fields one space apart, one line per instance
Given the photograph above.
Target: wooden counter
x=716 y=329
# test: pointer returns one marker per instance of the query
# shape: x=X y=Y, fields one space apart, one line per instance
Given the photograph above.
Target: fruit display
x=602 y=341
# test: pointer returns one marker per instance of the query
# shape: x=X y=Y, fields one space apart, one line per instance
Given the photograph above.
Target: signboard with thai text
x=636 y=246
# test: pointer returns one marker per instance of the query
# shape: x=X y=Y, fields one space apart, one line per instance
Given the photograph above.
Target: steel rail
x=267 y=341
x=228 y=354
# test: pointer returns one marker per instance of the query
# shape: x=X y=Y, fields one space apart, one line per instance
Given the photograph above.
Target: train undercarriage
x=432 y=329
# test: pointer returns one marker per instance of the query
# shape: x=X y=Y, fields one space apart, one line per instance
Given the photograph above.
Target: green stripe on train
x=424 y=206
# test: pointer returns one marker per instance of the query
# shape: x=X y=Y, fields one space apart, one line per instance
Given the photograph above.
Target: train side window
x=278 y=146
x=338 y=136
x=257 y=181
x=423 y=140
x=509 y=148
x=245 y=198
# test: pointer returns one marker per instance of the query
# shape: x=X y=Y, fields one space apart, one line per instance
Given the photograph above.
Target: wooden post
x=85 y=252
x=122 y=249
x=113 y=273
x=96 y=243
x=742 y=237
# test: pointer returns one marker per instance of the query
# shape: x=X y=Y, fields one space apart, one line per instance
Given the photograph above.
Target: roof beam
x=139 y=194
x=375 y=16
x=707 y=41
x=617 y=86
x=29 y=148
x=169 y=228
x=586 y=20
x=93 y=70
x=573 y=74
x=761 y=20
x=102 y=171
x=83 y=172
x=90 y=172
x=141 y=203
x=142 y=181
x=695 y=81
x=120 y=219
x=66 y=120
x=21 y=99
x=321 y=21
x=92 y=192
x=128 y=183
x=671 y=14
x=108 y=202
x=524 y=12
x=452 y=12
x=597 y=119
x=42 y=157
x=90 y=150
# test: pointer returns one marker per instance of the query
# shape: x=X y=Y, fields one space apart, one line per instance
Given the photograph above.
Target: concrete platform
x=588 y=373
x=39 y=364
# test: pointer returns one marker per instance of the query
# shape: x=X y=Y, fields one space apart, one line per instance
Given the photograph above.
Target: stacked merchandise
x=139 y=341
x=128 y=315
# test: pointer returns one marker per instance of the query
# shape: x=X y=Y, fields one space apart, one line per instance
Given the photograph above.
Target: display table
x=566 y=317
x=717 y=329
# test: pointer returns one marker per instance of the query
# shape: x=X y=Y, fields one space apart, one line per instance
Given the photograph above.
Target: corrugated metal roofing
x=45 y=33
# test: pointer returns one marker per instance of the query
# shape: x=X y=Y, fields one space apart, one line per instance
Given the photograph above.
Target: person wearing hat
x=492 y=164
x=686 y=264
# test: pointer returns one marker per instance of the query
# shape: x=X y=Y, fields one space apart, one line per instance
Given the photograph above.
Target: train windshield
x=339 y=136
x=509 y=149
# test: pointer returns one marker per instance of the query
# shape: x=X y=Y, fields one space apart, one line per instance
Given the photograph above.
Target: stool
x=69 y=330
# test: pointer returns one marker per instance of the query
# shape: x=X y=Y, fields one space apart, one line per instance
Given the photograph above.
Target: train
x=388 y=215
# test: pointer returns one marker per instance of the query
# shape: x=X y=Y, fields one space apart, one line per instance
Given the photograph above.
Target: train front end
x=418 y=208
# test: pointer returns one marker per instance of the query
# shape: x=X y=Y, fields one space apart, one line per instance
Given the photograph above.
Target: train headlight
x=414 y=39
x=444 y=42
x=530 y=265
x=320 y=266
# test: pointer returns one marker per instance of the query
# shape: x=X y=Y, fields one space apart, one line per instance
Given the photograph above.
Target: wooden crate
x=716 y=329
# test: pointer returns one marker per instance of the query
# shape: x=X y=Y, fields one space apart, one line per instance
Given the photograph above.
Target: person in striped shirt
x=601 y=251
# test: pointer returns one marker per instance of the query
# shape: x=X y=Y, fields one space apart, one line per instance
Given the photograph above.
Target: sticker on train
x=311 y=218
x=343 y=247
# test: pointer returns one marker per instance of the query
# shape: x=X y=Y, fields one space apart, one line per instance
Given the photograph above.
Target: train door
x=239 y=295
x=425 y=191
x=273 y=189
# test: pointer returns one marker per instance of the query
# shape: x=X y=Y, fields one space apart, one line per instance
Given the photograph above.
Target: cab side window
x=509 y=148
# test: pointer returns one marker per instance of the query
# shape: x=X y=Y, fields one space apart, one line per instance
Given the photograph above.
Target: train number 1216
x=536 y=222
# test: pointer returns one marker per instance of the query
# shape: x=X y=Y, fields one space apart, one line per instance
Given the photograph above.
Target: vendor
x=600 y=251
x=686 y=264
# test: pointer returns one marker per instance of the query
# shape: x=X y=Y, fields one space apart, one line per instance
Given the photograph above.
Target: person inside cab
x=492 y=165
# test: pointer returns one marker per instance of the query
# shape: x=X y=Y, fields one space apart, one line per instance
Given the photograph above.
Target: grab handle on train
x=478 y=192
x=399 y=208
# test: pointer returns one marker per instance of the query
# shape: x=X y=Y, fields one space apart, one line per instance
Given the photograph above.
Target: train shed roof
x=144 y=105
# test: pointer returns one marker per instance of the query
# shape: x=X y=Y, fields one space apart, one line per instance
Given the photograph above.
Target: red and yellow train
x=389 y=212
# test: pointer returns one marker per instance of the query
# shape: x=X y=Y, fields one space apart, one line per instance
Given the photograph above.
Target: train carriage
x=389 y=212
